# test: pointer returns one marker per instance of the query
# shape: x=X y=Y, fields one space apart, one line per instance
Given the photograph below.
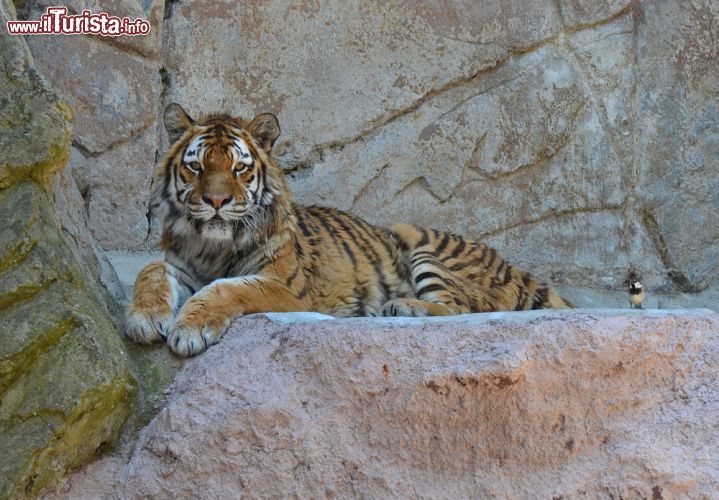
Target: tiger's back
x=358 y=269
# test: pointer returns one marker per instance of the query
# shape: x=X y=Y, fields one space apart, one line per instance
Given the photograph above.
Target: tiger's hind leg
x=437 y=291
x=415 y=307
x=461 y=276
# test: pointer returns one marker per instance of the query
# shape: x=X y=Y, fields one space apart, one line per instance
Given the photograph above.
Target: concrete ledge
x=479 y=318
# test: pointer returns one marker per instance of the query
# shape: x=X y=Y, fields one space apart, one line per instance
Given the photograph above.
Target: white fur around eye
x=242 y=153
x=240 y=169
x=192 y=169
x=193 y=151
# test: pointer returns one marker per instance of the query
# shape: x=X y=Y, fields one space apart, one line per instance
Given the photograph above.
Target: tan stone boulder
x=515 y=405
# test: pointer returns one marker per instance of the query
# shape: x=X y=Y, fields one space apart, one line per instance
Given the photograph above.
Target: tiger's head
x=218 y=178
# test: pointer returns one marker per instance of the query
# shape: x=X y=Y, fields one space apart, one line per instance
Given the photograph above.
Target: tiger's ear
x=176 y=121
x=265 y=129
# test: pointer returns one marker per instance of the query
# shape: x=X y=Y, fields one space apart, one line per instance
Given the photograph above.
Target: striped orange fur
x=235 y=244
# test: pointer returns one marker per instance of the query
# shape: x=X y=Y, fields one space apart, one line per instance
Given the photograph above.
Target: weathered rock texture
x=515 y=405
x=579 y=137
x=65 y=388
x=113 y=86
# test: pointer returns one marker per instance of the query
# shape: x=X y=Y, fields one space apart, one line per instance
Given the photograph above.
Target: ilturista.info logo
x=56 y=21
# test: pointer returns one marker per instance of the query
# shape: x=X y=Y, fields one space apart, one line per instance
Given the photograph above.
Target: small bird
x=636 y=292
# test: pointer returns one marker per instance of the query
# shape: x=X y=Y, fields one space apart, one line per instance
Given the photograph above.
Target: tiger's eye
x=240 y=169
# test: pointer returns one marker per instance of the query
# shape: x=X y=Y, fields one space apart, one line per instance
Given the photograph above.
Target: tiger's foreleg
x=157 y=297
x=206 y=315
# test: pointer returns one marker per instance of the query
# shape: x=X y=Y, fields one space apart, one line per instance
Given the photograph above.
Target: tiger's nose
x=217 y=201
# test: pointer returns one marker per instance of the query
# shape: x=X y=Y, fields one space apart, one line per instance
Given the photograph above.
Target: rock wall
x=581 y=138
x=113 y=86
x=65 y=384
x=572 y=404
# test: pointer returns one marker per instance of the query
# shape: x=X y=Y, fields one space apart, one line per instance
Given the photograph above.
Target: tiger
x=235 y=243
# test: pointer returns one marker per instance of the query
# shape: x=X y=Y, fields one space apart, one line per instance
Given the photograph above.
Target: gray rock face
x=577 y=136
x=113 y=86
x=514 y=405
x=677 y=138
x=65 y=385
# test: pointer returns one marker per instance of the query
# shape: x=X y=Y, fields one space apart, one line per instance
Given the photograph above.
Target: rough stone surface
x=600 y=403
x=72 y=214
x=113 y=87
x=149 y=10
x=114 y=94
x=65 y=386
x=34 y=123
x=112 y=200
x=110 y=91
x=580 y=13
x=678 y=137
x=333 y=69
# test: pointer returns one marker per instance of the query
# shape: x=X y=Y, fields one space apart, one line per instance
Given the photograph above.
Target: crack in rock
x=676 y=275
x=553 y=215
x=89 y=153
x=378 y=123
x=367 y=185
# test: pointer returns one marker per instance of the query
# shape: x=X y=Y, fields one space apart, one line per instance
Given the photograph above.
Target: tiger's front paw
x=196 y=328
x=148 y=325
